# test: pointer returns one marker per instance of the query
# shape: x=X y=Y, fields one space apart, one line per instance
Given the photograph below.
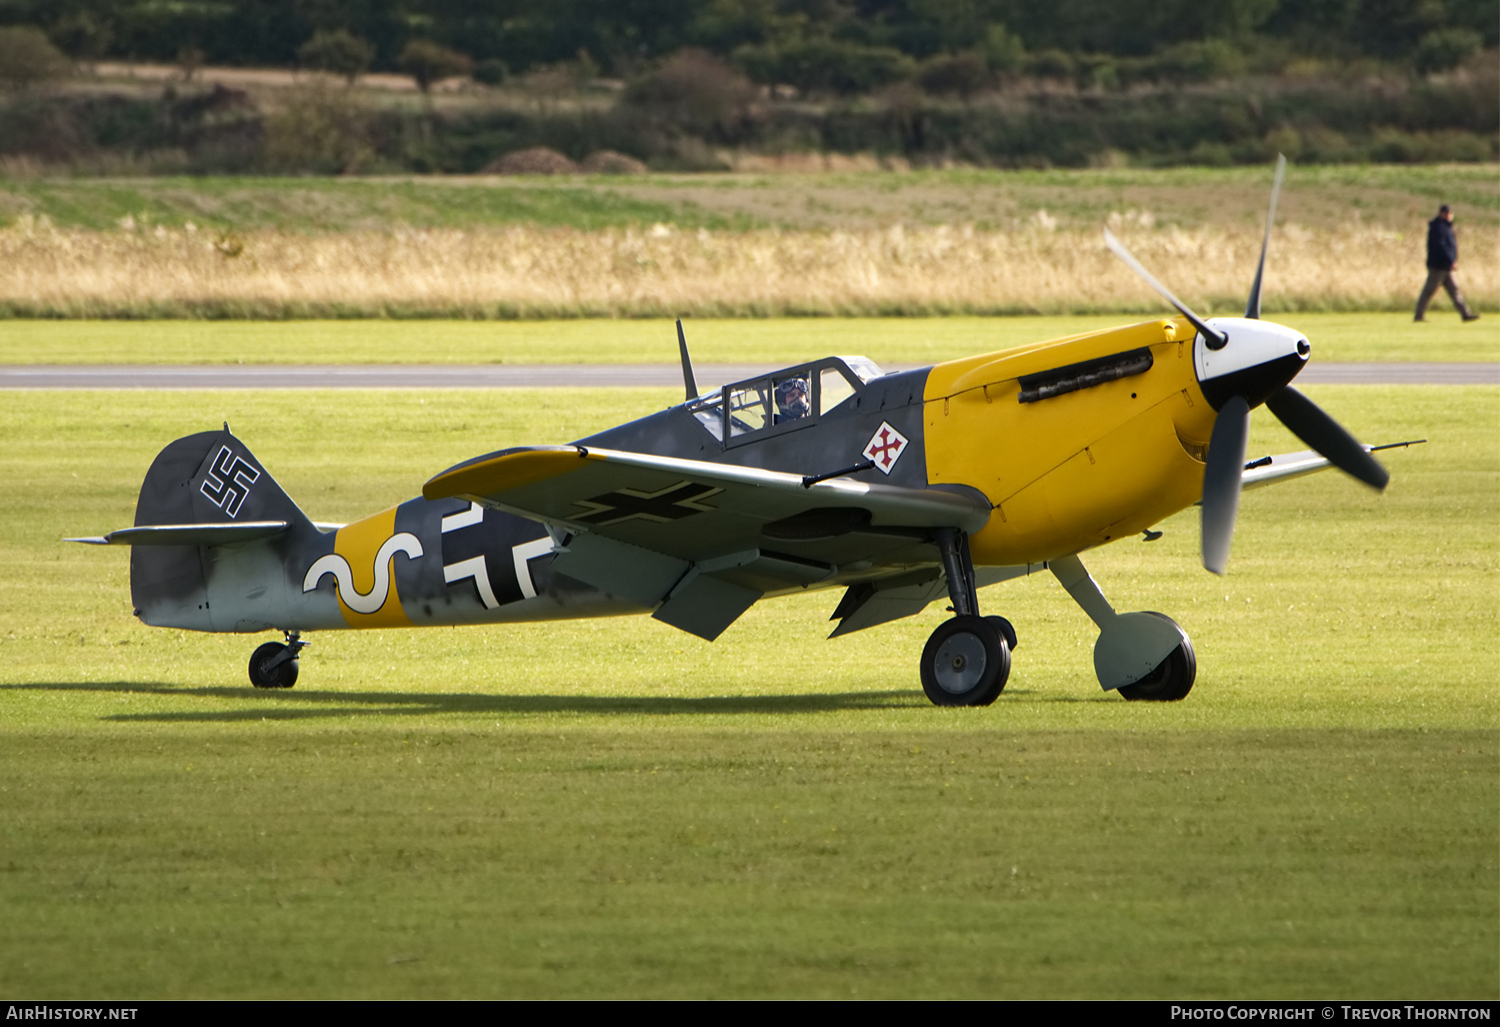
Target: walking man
x=1442 y=261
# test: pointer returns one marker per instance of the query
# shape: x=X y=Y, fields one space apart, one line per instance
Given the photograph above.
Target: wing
x=1271 y=470
x=705 y=540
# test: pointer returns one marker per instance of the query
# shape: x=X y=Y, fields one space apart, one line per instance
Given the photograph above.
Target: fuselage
x=1072 y=443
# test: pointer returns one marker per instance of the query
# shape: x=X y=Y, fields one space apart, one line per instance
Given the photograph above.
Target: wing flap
x=870 y=603
x=705 y=606
x=619 y=568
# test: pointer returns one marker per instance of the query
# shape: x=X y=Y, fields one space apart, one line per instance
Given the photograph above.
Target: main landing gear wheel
x=1171 y=680
x=965 y=662
x=1007 y=631
x=264 y=675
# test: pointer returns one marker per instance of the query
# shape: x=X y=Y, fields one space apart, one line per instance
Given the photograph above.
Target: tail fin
x=211 y=478
x=206 y=479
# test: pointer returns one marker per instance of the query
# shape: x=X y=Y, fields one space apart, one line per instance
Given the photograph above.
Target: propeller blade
x=1221 y=481
x=1252 y=309
x=1310 y=424
x=1216 y=340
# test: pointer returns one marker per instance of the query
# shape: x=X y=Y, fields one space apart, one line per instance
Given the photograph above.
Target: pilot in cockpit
x=792 y=402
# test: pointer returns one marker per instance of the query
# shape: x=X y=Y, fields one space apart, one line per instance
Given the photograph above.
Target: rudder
x=207 y=478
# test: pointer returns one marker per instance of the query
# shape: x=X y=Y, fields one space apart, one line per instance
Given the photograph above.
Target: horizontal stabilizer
x=188 y=534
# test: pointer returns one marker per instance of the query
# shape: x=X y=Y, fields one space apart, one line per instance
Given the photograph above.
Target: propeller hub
x=1259 y=359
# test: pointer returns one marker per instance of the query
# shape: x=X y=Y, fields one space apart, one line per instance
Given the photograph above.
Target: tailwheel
x=965 y=662
x=1172 y=679
x=274 y=665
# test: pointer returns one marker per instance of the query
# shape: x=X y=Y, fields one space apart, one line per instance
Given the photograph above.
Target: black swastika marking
x=227 y=472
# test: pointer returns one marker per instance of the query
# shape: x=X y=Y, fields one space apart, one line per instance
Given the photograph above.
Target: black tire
x=283 y=675
x=1007 y=631
x=1170 y=681
x=965 y=663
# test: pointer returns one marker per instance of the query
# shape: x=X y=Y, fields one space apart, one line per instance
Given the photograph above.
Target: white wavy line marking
x=363 y=602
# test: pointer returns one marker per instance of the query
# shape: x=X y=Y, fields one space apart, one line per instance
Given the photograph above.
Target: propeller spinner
x=1240 y=364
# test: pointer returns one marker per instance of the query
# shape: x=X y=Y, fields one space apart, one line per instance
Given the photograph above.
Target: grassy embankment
x=960 y=242
x=612 y=808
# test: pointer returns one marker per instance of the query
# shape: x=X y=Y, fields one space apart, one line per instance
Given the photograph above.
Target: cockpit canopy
x=784 y=400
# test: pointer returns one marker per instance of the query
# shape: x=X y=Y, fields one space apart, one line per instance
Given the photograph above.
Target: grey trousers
x=1435 y=278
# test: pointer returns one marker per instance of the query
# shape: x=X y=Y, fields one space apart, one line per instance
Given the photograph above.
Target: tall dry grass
x=530 y=272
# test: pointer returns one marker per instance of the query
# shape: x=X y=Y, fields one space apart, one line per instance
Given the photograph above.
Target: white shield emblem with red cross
x=885 y=448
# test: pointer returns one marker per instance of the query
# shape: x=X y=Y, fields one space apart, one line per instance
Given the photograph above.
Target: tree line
x=835 y=45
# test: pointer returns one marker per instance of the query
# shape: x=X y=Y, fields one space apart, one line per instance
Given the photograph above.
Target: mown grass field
x=1352 y=337
x=612 y=808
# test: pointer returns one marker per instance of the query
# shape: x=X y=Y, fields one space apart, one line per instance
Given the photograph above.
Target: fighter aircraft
x=900 y=489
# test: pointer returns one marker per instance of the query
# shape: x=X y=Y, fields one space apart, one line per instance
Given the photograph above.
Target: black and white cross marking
x=223 y=475
x=482 y=545
x=663 y=506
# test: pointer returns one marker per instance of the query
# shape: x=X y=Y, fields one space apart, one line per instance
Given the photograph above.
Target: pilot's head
x=791 y=398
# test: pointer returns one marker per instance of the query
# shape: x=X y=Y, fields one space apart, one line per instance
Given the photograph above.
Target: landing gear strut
x=274 y=665
x=967 y=660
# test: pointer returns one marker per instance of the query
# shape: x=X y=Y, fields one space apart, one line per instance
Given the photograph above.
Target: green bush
x=338 y=52
x=82 y=36
x=1469 y=102
x=1285 y=140
x=428 y=62
x=825 y=65
x=1393 y=146
x=1199 y=61
x=491 y=71
x=1052 y=63
x=319 y=131
x=1003 y=50
x=28 y=58
x=1323 y=145
x=693 y=92
x=36 y=127
x=1105 y=76
x=961 y=74
x=1445 y=49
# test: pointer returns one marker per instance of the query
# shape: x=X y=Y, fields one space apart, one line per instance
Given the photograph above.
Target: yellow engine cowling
x=1079 y=469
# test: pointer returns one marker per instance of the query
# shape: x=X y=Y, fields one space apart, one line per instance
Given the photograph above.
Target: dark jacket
x=1442 y=245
